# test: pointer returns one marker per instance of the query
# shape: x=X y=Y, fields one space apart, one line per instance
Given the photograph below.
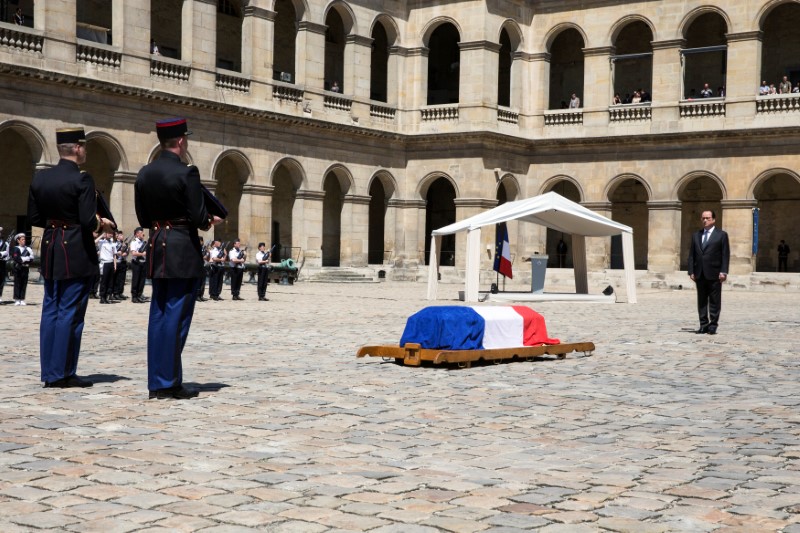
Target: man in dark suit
x=63 y=201
x=709 y=258
x=169 y=200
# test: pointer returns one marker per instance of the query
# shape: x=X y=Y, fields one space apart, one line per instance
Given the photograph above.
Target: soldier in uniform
x=237 y=258
x=262 y=260
x=138 y=252
x=3 y=259
x=118 y=292
x=22 y=256
x=63 y=201
x=169 y=200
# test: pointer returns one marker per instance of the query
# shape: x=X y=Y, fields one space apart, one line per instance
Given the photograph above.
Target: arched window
x=229 y=35
x=705 y=57
x=440 y=211
x=566 y=68
x=444 y=65
x=285 y=41
x=629 y=206
x=94 y=21
x=334 y=52
x=165 y=27
x=379 y=65
x=633 y=64
x=781 y=46
x=504 y=70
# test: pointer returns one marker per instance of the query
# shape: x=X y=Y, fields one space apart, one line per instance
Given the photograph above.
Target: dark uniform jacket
x=63 y=201
x=708 y=263
x=169 y=201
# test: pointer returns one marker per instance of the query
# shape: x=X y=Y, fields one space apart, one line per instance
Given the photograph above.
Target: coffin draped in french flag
x=453 y=327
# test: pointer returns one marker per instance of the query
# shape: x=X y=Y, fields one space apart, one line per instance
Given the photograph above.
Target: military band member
x=4 y=247
x=63 y=201
x=217 y=258
x=237 y=258
x=108 y=263
x=139 y=254
x=169 y=200
x=262 y=260
x=201 y=289
x=21 y=255
x=121 y=258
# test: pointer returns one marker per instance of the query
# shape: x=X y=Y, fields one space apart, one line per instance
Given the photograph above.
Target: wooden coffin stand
x=412 y=354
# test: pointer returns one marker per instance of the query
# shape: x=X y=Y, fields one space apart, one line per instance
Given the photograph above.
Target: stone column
x=738 y=216
x=354 y=230
x=200 y=41
x=357 y=66
x=743 y=75
x=465 y=208
x=520 y=84
x=477 y=84
x=596 y=86
x=310 y=59
x=409 y=234
x=57 y=18
x=306 y=224
x=391 y=229
x=667 y=80
x=255 y=221
x=539 y=87
x=257 y=42
x=121 y=201
x=394 y=76
x=414 y=92
x=664 y=239
x=598 y=249
x=131 y=31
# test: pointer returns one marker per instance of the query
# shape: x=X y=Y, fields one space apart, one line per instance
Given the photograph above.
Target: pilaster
x=310 y=63
x=200 y=41
x=663 y=243
x=743 y=73
x=738 y=216
x=357 y=62
x=596 y=85
x=667 y=80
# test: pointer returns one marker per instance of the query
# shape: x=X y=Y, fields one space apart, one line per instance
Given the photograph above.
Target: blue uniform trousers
x=60 y=330
x=171 y=310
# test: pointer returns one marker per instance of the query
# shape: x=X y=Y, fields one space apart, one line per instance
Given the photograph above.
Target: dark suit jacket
x=65 y=194
x=169 y=190
x=712 y=261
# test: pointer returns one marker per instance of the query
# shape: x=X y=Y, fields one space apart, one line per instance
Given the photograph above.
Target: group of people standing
x=218 y=262
x=172 y=203
x=115 y=254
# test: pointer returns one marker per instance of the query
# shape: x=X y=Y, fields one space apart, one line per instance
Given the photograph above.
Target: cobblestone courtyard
x=661 y=430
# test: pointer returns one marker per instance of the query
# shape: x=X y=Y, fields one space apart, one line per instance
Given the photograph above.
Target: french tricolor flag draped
x=502 y=251
x=451 y=327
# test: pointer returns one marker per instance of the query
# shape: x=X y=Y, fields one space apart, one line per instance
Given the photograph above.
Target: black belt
x=168 y=224
x=53 y=223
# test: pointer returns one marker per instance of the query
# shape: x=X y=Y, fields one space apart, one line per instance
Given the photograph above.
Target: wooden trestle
x=413 y=355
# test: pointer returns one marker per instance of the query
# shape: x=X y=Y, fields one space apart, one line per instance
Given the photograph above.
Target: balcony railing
x=560 y=117
x=705 y=107
x=232 y=81
x=98 y=54
x=630 y=112
x=439 y=112
x=287 y=93
x=171 y=69
x=21 y=38
x=380 y=111
x=507 y=115
x=778 y=103
x=340 y=103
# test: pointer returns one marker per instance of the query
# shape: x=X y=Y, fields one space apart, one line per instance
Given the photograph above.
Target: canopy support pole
x=433 y=268
x=472 y=277
x=630 y=268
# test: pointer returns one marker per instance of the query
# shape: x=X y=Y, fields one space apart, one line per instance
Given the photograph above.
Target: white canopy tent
x=551 y=210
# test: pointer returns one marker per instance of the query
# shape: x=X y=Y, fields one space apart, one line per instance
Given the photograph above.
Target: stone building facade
x=345 y=134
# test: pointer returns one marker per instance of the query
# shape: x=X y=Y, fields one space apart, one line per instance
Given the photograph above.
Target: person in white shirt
x=108 y=250
x=138 y=268
x=574 y=102
x=22 y=256
x=764 y=89
x=217 y=258
x=262 y=260
x=237 y=258
x=4 y=247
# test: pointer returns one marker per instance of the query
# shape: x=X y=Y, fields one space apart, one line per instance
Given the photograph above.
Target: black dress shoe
x=173 y=393
x=69 y=383
x=92 y=296
x=121 y=297
x=104 y=301
x=237 y=297
x=702 y=330
x=712 y=331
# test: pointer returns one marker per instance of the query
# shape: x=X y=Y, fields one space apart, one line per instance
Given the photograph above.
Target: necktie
x=705 y=239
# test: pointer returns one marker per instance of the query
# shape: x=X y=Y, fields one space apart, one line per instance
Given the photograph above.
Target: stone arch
x=439 y=192
x=629 y=194
x=425 y=183
x=231 y=170
x=551 y=183
x=433 y=24
x=514 y=33
x=699 y=11
x=558 y=29
x=566 y=66
x=632 y=62
x=156 y=150
x=620 y=24
x=296 y=171
x=444 y=64
x=766 y=9
x=343 y=175
x=23 y=148
x=510 y=185
x=390 y=26
x=119 y=160
x=104 y=158
x=300 y=7
x=777 y=192
x=697 y=191
x=780 y=44
x=380 y=231
x=346 y=13
x=287 y=178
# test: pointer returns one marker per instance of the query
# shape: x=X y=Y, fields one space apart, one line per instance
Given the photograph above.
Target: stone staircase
x=340 y=275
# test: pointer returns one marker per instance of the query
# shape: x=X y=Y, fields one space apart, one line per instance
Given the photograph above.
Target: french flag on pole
x=502 y=251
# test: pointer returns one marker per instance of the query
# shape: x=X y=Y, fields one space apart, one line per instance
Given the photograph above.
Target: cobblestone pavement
x=661 y=430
